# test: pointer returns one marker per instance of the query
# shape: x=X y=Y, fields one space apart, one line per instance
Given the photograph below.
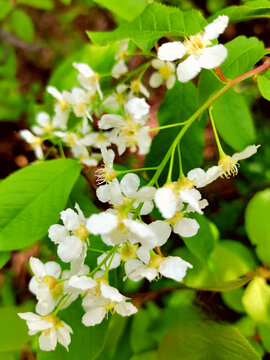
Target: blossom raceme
x=165 y=73
x=35 y=142
x=45 y=286
x=52 y=330
x=199 y=49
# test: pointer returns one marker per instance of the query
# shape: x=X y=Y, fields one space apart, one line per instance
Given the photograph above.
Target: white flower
x=34 y=141
x=165 y=73
x=137 y=87
x=80 y=152
x=52 y=330
x=88 y=78
x=122 y=49
x=102 y=299
x=119 y=69
x=113 y=261
x=200 y=51
x=97 y=140
x=72 y=238
x=129 y=132
x=172 y=267
x=79 y=100
x=227 y=166
x=44 y=124
x=61 y=109
x=118 y=98
x=44 y=285
x=116 y=228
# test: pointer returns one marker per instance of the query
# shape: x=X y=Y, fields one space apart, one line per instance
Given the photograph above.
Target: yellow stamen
x=196 y=44
x=228 y=166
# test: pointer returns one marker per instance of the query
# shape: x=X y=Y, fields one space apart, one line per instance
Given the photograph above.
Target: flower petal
x=125 y=308
x=217 y=27
x=57 y=233
x=70 y=219
x=102 y=223
x=188 y=69
x=69 y=249
x=166 y=202
x=171 y=51
x=94 y=316
x=162 y=231
x=129 y=184
x=249 y=151
x=174 y=267
x=186 y=227
x=213 y=56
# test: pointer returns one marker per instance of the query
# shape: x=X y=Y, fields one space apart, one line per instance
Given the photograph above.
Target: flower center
x=37 y=141
x=101 y=138
x=128 y=251
x=121 y=98
x=135 y=86
x=70 y=139
x=48 y=129
x=155 y=261
x=56 y=288
x=184 y=183
x=63 y=105
x=165 y=71
x=177 y=216
x=103 y=176
x=81 y=107
x=82 y=233
x=57 y=323
x=228 y=166
x=196 y=44
x=130 y=132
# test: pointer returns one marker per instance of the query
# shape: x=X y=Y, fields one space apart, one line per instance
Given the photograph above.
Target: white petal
x=171 y=51
x=249 y=151
x=109 y=121
x=143 y=254
x=63 y=336
x=209 y=176
x=69 y=249
x=29 y=316
x=188 y=69
x=94 y=316
x=213 y=56
x=157 y=64
x=155 y=80
x=82 y=282
x=103 y=193
x=195 y=174
x=189 y=197
x=43 y=119
x=170 y=82
x=33 y=285
x=53 y=269
x=115 y=192
x=146 y=208
x=144 y=140
x=115 y=262
x=186 y=227
x=146 y=193
x=102 y=223
x=37 y=267
x=125 y=308
x=45 y=307
x=140 y=233
x=70 y=219
x=166 y=202
x=174 y=267
x=129 y=184
x=110 y=293
x=57 y=233
x=54 y=92
x=162 y=231
x=137 y=107
x=84 y=69
x=48 y=340
x=217 y=27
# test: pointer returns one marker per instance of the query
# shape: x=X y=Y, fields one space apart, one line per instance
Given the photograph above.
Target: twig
x=18 y=43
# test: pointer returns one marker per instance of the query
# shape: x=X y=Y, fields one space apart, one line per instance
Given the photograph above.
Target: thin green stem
x=169 y=178
x=61 y=303
x=61 y=150
x=180 y=162
x=136 y=170
x=103 y=261
x=96 y=250
x=190 y=121
x=167 y=126
x=220 y=150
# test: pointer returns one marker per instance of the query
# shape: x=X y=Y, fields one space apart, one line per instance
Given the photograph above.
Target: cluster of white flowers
x=129 y=239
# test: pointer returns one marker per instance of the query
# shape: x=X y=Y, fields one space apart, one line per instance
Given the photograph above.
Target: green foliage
x=5 y=8
x=13 y=330
x=233 y=120
x=256 y=300
x=257 y=224
x=264 y=84
x=86 y=342
x=154 y=22
x=172 y=111
x=264 y=333
x=31 y=200
x=233 y=299
x=250 y=10
x=39 y=4
x=205 y=340
x=22 y=25
x=203 y=242
x=4 y=257
x=128 y=9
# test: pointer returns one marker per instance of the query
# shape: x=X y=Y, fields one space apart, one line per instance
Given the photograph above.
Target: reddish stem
x=220 y=74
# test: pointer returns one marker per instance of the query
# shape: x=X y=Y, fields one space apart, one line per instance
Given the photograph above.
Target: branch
x=18 y=43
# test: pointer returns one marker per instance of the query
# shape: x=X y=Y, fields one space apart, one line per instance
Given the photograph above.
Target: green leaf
x=206 y=340
x=22 y=25
x=228 y=285
x=233 y=120
x=38 y=4
x=86 y=342
x=128 y=9
x=258 y=225
x=256 y=300
x=31 y=200
x=4 y=257
x=5 y=9
x=154 y=22
x=231 y=259
x=264 y=333
x=202 y=244
x=250 y=10
x=149 y=355
x=173 y=111
x=7 y=356
x=12 y=104
x=13 y=330
x=233 y=299
x=264 y=84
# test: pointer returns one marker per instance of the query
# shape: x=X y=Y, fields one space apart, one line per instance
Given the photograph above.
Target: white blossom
x=88 y=78
x=34 y=141
x=52 y=330
x=61 y=108
x=165 y=73
x=200 y=51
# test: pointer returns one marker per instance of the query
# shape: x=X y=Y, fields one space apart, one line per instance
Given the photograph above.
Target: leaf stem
x=167 y=126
